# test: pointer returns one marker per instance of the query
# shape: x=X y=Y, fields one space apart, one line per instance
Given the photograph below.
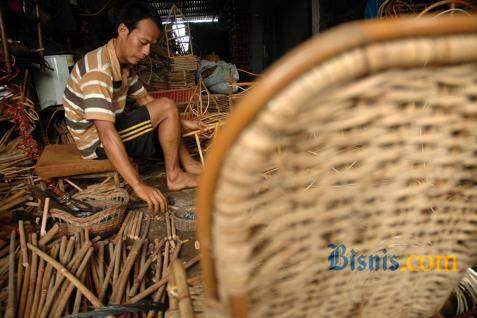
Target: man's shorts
x=137 y=134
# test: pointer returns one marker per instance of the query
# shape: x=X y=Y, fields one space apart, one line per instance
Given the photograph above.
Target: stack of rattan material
x=374 y=148
x=183 y=71
x=52 y=275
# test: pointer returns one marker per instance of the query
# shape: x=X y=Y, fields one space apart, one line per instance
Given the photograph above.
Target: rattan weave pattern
x=375 y=149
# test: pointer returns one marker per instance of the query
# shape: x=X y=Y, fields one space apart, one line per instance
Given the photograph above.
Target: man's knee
x=169 y=106
x=162 y=108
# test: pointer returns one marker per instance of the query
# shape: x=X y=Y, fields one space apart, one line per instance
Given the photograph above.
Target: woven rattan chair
x=364 y=136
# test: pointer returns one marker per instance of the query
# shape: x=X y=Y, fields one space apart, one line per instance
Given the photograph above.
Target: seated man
x=94 y=101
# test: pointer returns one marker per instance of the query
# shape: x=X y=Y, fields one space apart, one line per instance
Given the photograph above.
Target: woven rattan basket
x=113 y=201
x=185 y=220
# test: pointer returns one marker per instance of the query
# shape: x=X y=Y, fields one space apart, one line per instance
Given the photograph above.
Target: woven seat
x=65 y=160
x=364 y=136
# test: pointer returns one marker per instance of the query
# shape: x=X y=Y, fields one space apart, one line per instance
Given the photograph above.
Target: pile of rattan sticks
x=54 y=276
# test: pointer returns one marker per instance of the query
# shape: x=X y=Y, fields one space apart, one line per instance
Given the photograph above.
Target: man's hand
x=154 y=198
x=192 y=125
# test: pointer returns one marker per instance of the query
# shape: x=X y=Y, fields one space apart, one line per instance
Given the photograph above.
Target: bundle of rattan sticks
x=50 y=276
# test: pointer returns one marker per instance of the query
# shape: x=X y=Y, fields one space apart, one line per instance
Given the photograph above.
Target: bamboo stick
x=10 y=312
x=46 y=207
x=67 y=274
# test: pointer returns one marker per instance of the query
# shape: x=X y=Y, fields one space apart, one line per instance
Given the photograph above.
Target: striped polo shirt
x=97 y=89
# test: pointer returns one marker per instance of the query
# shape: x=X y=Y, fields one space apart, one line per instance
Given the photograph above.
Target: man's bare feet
x=181 y=180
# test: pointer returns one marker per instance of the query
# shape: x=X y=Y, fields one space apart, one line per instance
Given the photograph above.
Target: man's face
x=136 y=44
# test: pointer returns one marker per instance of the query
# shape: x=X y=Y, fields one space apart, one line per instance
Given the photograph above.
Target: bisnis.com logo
x=339 y=259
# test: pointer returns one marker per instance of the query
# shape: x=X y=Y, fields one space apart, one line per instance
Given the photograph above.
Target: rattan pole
x=39 y=280
x=154 y=287
x=46 y=207
x=129 y=222
x=158 y=295
x=199 y=148
x=19 y=279
x=77 y=303
x=23 y=296
x=101 y=262
x=113 y=258
x=132 y=228
x=33 y=274
x=183 y=296
x=10 y=312
x=3 y=33
x=123 y=228
x=61 y=269
x=23 y=245
x=118 y=290
x=49 y=235
x=69 y=249
x=168 y=226
x=66 y=295
x=72 y=265
x=64 y=241
x=140 y=277
x=117 y=262
x=47 y=278
x=138 y=229
x=145 y=233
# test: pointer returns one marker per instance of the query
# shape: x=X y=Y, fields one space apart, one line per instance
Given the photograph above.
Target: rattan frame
x=289 y=68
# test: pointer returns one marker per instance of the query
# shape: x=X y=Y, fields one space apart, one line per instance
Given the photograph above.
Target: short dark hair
x=133 y=12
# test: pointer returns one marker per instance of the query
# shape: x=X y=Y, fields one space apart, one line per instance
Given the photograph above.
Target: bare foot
x=182 y=180
x=192 y=166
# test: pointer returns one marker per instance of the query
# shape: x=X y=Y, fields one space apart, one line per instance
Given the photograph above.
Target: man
x=95 y=97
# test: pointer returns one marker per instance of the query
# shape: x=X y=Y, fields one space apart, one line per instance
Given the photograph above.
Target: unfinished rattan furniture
x=364 y=136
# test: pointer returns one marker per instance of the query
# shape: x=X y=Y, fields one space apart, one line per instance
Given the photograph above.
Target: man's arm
x=117 y=154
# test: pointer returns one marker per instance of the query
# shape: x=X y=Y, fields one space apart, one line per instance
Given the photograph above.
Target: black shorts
x=137 y=134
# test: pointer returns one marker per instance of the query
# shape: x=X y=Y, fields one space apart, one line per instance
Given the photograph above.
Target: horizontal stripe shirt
x=97 y=90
